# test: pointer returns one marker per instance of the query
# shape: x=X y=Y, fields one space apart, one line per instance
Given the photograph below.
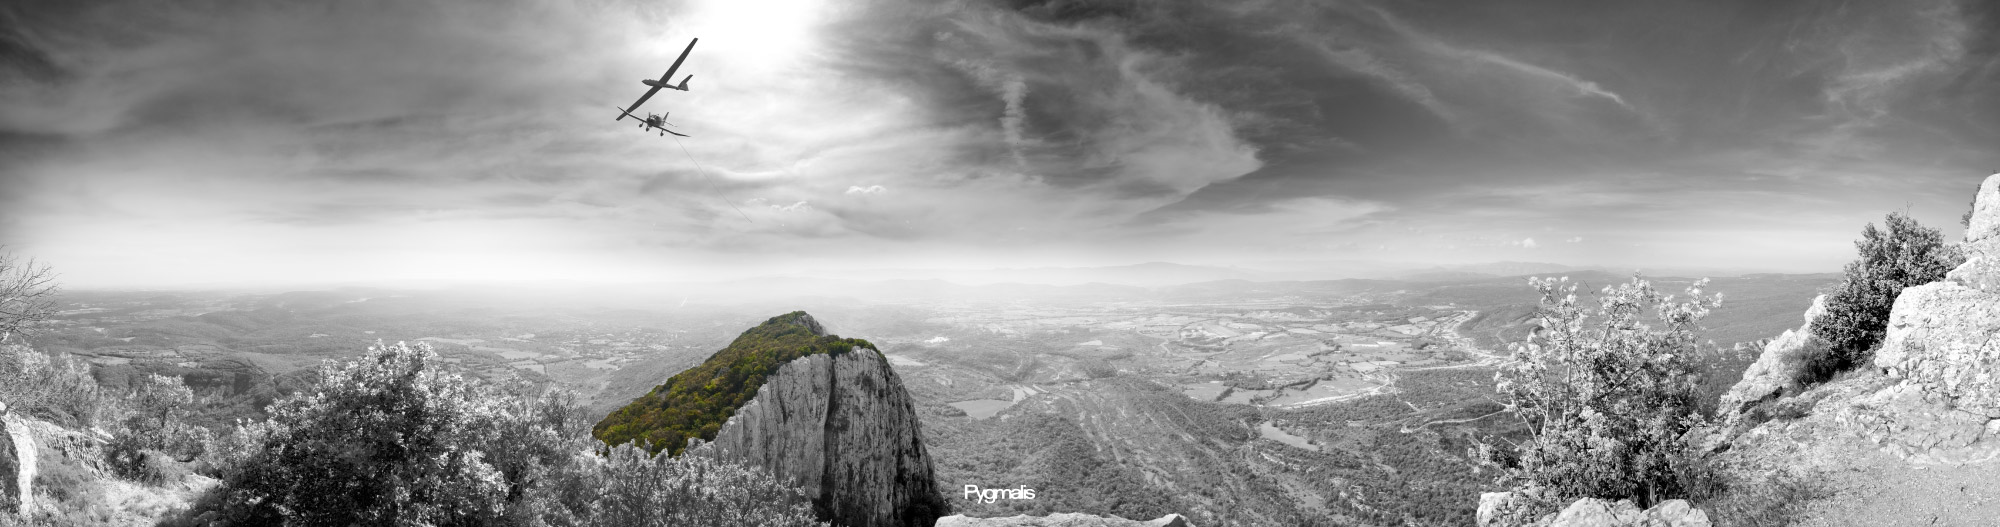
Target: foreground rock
x=1062 y=520
x=1777 y=369
x=1941 y=335
x=1592 y=512
x=842 y=426
x=17 y=464
x=1914 y=439
x=1941 y=350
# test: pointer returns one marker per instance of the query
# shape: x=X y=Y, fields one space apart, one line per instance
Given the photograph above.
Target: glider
x=659 y=122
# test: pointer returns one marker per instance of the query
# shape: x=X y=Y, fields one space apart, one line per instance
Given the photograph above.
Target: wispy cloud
x=291 y=136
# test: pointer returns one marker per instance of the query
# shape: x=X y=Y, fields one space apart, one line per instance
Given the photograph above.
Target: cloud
x=190 y=131
x=1898 y=46
x=1576 y=86
x=1407 y=85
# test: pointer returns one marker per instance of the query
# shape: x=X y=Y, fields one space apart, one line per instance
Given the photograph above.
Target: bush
x=395 y=439
x=1732 y=499
x=156 y=426
x=639 y=489
x=1606 y=404
x=1857 y=312
x=390 y=439
x=59 y=389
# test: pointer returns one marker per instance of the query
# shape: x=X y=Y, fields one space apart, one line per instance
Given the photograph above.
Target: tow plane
x=655 y=122
x=659 y=122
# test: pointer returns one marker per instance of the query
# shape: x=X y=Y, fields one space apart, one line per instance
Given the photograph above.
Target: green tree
x=390 y=439
x=1857 y=311
x=156 y=423
x=397 y=438
x=1608 y=400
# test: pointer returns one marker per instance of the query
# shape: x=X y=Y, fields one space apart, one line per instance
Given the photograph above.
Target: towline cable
x=709 y=179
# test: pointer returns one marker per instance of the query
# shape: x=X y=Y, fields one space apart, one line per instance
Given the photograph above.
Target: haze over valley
x=1243 y=263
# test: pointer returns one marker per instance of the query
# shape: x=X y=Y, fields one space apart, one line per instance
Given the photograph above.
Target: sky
x=160 y=143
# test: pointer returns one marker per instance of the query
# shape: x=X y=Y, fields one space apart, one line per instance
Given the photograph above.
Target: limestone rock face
x=1985 y=223
x=1489 y=506
x=1066 y=519
x=10 y=469
x=1921 y=429
x=842 y=427
x=1944 y=336
x=1773 y=373
x=1591 y=512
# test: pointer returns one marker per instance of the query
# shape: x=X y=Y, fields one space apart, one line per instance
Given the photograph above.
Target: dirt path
x=1880 y=490
x=1866 y=485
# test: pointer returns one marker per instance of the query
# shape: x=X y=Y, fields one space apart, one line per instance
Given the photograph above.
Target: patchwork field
x=1236 y=403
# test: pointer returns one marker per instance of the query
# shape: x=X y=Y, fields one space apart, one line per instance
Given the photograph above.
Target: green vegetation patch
x=696 y=402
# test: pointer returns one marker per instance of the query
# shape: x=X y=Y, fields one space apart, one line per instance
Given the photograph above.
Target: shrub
x=59 y=389
x=156 y=426
x=1732 y=499
x=640 y=489
x=1606 y=404
x=390 y=439
x=395 y=439
x=1857 y=312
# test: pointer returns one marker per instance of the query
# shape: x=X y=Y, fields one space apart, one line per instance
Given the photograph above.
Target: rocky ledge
x=841 y=426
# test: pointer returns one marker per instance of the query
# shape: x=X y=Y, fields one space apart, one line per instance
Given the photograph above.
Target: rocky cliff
x=1777 y=369
x=1915 y=439
x=17 y=464
x=832 y=419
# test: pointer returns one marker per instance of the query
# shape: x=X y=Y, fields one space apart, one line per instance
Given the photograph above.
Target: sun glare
x=758 y=35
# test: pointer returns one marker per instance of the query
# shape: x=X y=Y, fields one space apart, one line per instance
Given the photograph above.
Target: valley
x=1235 y=403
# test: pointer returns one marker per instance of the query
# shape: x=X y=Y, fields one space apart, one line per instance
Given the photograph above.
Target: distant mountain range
x=1160 y=274
x=1150 y=274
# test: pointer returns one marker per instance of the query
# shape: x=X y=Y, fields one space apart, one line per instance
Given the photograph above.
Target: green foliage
x=1857 y=312
x=155 y=432
x=1606 y=403
x=56 y=388
x=696 y=402
x=395 y=438
x=640 y=489
x=387 y=440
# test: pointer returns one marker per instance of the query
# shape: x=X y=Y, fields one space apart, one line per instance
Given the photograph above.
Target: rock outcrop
x=842 y=426
x=1065 y=519
x=17 y=465
x=1944 y=336
x=1591 y=512
x=1601 y=513
x=1777 y=369
x=1942 y=348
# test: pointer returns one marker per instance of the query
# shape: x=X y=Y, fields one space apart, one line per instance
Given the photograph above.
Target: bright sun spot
x=757 y=36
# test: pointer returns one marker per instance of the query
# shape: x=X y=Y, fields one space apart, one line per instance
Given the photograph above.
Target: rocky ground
x=1914 y=439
